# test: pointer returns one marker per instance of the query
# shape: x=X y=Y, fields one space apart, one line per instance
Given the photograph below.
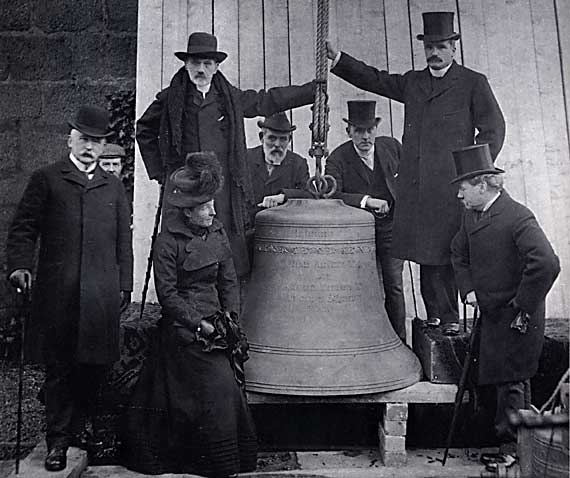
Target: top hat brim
x=363 y=124
x=433 y=38
x=472 y=174
x=261 y=124
x=89 y=131
x=218 y=56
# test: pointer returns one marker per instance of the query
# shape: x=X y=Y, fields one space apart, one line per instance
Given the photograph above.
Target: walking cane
x=413 y=290
x=152 y=241
x=462 y=383
x=24 y=308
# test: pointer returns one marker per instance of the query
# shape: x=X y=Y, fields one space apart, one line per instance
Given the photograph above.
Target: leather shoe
x=84 y=440
x=56 y=459
x=451 y=329
x=433 y=322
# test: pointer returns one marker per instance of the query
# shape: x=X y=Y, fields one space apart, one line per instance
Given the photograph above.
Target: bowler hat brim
x=364 y=124
x=261 y=124
x=218 y=56
x=435 y=38
x=472 y=174
x=89 y=130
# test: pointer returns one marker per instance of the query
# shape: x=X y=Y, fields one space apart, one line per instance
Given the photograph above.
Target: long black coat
x=292 y=173
x=219 y=128
x=459 y=110
x=352 y=177
x=85 y=259
x=503 y=256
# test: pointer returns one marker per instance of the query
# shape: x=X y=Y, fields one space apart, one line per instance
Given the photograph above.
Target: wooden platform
x=421 y=392
x=393 y=423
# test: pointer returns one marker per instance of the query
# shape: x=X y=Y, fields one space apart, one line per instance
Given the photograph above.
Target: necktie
x=369 y=162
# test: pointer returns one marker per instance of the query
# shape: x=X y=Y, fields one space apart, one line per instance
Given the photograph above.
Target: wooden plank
x=421 y=392
x=174 y=37
x=556 y=152
x=474 y=38
x=501 y=70
x=199 y=16
x=251 y=56
x=530 y=124
x=226 y=30
x=302 y=33
x=149 y=83
x=276 y=41
x=563 y=16
x=399 y=54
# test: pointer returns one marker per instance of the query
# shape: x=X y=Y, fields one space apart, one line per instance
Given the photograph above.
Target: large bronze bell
x=314 y=314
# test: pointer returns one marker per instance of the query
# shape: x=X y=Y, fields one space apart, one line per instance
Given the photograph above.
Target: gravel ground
x=33 y=423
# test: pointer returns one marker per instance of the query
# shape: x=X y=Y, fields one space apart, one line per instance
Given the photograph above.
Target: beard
x=274 y=156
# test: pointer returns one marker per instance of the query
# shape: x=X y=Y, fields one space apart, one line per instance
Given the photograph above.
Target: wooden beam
x=421 y=392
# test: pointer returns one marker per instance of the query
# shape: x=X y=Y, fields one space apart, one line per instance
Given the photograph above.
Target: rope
x=321 y=186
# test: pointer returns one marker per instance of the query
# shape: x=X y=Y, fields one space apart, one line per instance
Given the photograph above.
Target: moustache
x=432 y=58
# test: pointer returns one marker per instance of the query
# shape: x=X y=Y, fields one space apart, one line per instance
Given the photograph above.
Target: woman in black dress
x=189 y=412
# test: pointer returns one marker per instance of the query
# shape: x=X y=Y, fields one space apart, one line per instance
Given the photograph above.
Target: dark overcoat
x=504 y=256
x=85 y=260
x=293 y=173
x=194 y=275
x=458 y=110
x=217 y=125
x=352 y=178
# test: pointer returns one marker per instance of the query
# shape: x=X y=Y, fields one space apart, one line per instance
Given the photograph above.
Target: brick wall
x=54 y=56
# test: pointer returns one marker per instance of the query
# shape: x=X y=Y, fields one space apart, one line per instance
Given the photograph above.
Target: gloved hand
x=125 y=300
x=471 y=299
x=521 y=320
x=22 y=279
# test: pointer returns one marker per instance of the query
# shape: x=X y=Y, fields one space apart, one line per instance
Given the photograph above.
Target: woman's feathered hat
x=196 y=182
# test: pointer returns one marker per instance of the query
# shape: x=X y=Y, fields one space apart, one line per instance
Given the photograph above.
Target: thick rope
x=321 y=186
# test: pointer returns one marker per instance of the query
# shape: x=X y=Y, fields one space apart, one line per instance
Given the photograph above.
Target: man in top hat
x=504 y=265
x=202 y=111
x=80 y=216
x=447 y=106
x=272 y=165
x=365 y=168
x=111 y=159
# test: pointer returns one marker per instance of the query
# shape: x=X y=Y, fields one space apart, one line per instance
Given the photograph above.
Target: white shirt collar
x=82 y=167
x=490 y=203
x=440 y=73
x=368 y=155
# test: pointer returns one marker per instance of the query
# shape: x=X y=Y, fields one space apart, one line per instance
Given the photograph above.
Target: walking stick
x=462 y=383
x=152 y=241
x=24 y=307
x=413 y=290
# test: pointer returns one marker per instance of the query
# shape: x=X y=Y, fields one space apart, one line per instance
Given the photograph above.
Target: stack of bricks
x=392 y=434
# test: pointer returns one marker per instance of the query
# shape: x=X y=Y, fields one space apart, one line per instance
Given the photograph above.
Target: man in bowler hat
x=80 y=216
x=447 y=106
x=365 y=168
x=273 y=165
x=202 y=111
x=505 y=265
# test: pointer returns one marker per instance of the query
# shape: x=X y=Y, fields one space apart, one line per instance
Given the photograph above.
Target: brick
x=68 y=15
x=19 y=101
x=396 y=411
x=15 y=15
x=49 y=145
x=11 y=190
x=9 y=151
x=122 y=15
x=395 y=459
x=119 y=60
x=397 y=444
x=39 y=58
x=395 y=427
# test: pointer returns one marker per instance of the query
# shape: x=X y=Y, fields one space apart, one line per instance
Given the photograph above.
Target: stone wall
x=54 y=56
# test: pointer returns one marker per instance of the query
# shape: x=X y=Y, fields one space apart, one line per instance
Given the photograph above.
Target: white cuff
x=363 y=201
x=336 y=59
